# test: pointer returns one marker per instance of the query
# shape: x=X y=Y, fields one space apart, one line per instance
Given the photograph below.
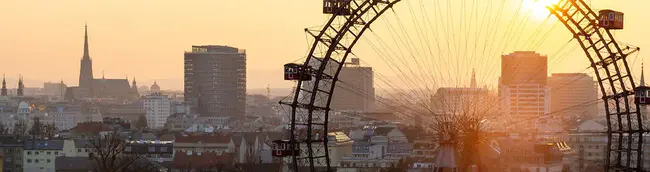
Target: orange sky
x=43 y=39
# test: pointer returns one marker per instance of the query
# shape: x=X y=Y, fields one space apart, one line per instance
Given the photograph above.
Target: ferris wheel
x=431 y=44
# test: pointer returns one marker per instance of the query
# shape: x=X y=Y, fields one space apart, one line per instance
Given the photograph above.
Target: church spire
x=21 y=86
x=642 y=77
x=3 y=91
x=473 y=84
x=86 y=70
x=86 y=52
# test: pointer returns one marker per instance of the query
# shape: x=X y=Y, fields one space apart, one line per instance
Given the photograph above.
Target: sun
x=539 y=7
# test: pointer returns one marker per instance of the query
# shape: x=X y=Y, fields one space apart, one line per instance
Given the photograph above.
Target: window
x=29 y=152
x=152 y=149
x=163 y=149
x=127 y=149
x=86 y=150
x=36 y=152
x=49 y=153
x=56 y=153
x=36 y=161
x=49 y=161
x=29 y=160
x=78 y=150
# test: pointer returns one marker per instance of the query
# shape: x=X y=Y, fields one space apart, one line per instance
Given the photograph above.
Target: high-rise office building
x=215 y=80
x=355 y=90
x=573 y=95
x=523 y=92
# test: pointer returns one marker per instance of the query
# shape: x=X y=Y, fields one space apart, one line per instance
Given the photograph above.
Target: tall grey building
x=215 y=80
x=573 y=95
x=355 y=90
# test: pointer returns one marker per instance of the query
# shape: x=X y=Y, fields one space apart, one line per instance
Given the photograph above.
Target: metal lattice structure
x=310 y=104
x=609 y=61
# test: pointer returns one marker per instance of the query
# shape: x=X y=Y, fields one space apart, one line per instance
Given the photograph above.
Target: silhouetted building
x=134 y=88
x=90 y=87
x=573 y=94
x=3 y=91
x=522 y=88
x=21 y=87
x=155 y=88
x=355 y=89
x=215 y=80
x=54 y=89
x=463 y=100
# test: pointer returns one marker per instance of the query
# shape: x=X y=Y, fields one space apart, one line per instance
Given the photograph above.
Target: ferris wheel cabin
x=642 y=95
x=296 y=72
x=610 y=19
x=337 y=7
x=284 y=148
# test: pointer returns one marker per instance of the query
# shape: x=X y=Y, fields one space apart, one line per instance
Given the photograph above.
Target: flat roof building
x=215 y=80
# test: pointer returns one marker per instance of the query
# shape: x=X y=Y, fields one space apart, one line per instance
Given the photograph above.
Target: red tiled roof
x=205 y=160
x=180 y=138
x=91 y=127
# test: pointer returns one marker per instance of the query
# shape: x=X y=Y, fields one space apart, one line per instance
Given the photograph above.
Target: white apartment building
x=40 y=155
x=158 y=108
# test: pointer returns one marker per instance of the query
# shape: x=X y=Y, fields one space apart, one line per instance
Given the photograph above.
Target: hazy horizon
x=146 y=39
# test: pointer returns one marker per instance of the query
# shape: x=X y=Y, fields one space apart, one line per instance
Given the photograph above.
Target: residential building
x=523 y=91
x=40 y=155
x=573 y=95
x=355 y=89
x=254 y=147
x=73 y=164
x=203 y=143
x=67 y=116
x=12 y=149
x=200 y=161
x=158 y=109
x=77 y=148
x=590 y=143
x=377 y=147
x=533 y=155
x=158 y=151
x=340 y=146
x=215 y=80
x=180 y=122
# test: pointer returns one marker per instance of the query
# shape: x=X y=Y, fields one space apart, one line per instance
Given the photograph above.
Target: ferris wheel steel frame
x=310 y=105
x=609 y=61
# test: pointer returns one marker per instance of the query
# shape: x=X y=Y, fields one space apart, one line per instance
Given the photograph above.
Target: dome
x=23 y=105
x=155 y=87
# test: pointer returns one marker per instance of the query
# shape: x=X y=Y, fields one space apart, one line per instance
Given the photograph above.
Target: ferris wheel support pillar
x=608 y=60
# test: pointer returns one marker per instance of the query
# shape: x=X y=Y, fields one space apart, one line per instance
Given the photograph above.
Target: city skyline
x=126 y=41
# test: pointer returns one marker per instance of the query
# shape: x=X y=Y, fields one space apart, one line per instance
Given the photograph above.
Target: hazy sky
x=43 y=39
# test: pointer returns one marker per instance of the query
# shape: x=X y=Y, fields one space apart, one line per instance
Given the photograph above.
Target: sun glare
x=539 y=7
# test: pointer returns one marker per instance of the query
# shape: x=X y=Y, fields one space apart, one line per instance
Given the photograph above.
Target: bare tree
x=20 y=128
x=49 y=130
x=141 y=123
x=37 y=128
x=3 y=129
x=110 y=155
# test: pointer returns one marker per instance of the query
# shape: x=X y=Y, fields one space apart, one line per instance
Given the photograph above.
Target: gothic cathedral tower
x=86 y=73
